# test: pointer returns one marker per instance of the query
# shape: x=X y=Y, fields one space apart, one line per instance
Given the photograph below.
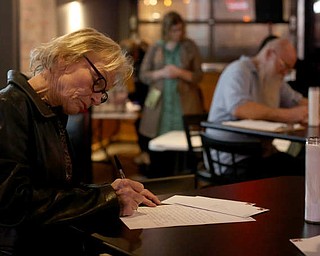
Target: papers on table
x=191 y=210
x=309 y=246
x=176 y=215
x=236 y=208
x=262 y=125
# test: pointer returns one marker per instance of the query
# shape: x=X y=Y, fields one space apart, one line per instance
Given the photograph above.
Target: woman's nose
x=96 y=98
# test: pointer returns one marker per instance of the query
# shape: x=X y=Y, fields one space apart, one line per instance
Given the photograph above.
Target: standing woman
x=172 y=69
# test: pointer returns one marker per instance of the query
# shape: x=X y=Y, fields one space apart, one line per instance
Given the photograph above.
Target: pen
x=119 y=167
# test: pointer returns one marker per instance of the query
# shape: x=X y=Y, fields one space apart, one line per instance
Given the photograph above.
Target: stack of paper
x=192 y=210
x=309 y=246
x=262 y=125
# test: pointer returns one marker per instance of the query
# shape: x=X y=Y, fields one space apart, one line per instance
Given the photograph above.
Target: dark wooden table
x=268 y=235
x=294 y=135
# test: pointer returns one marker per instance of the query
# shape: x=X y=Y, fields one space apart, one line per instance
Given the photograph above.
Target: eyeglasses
x=100 y=84
x=283 y=64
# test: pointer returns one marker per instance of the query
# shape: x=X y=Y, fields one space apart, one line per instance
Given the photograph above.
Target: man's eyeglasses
x=100 y=84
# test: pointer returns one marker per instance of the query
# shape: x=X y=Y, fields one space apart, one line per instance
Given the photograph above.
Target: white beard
x=270 y=89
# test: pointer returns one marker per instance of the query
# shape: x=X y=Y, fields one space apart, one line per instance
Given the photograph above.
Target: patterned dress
x=171 y=118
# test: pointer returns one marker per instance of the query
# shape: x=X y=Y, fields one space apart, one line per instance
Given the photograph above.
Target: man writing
x=254 y=88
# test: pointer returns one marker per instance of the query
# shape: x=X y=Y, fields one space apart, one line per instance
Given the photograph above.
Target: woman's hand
x=174 y=72
x=171 y=71
x=131 y=194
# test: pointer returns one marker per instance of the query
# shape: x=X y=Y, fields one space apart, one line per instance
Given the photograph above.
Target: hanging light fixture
x=153 y=2
x=167 y=3
x=75 y=16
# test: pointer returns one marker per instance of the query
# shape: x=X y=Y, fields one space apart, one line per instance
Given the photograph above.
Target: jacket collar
x=21 y=81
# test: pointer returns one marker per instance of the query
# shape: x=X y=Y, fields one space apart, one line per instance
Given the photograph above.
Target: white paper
x=262 y=125
x=192 y=210
x=309 y=246
x=176 y=215
x=236 y=208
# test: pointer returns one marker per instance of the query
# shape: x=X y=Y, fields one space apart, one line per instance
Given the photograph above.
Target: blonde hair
x=73 y=46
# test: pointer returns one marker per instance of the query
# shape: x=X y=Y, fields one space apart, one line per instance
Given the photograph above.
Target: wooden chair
x=215 y=164
x=192 y=128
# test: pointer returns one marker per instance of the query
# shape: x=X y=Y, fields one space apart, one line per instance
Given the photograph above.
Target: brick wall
x=38 y=24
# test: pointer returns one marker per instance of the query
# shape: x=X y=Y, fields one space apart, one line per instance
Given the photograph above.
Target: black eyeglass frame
x=104 y=92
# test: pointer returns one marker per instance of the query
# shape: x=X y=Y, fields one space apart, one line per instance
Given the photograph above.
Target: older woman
x=71 y=73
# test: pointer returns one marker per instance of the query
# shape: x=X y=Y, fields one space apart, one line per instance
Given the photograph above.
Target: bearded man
x=254 y=88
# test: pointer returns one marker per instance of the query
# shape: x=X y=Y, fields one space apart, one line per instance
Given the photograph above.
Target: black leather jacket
x=33 y=184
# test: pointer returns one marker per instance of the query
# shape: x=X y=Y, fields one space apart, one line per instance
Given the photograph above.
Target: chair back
x=233 y=148
x=192 y=128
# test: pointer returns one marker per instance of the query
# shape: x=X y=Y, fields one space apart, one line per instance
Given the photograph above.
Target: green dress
x=171 y=117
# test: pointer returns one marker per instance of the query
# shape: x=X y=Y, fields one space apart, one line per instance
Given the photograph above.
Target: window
x=223 y=29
